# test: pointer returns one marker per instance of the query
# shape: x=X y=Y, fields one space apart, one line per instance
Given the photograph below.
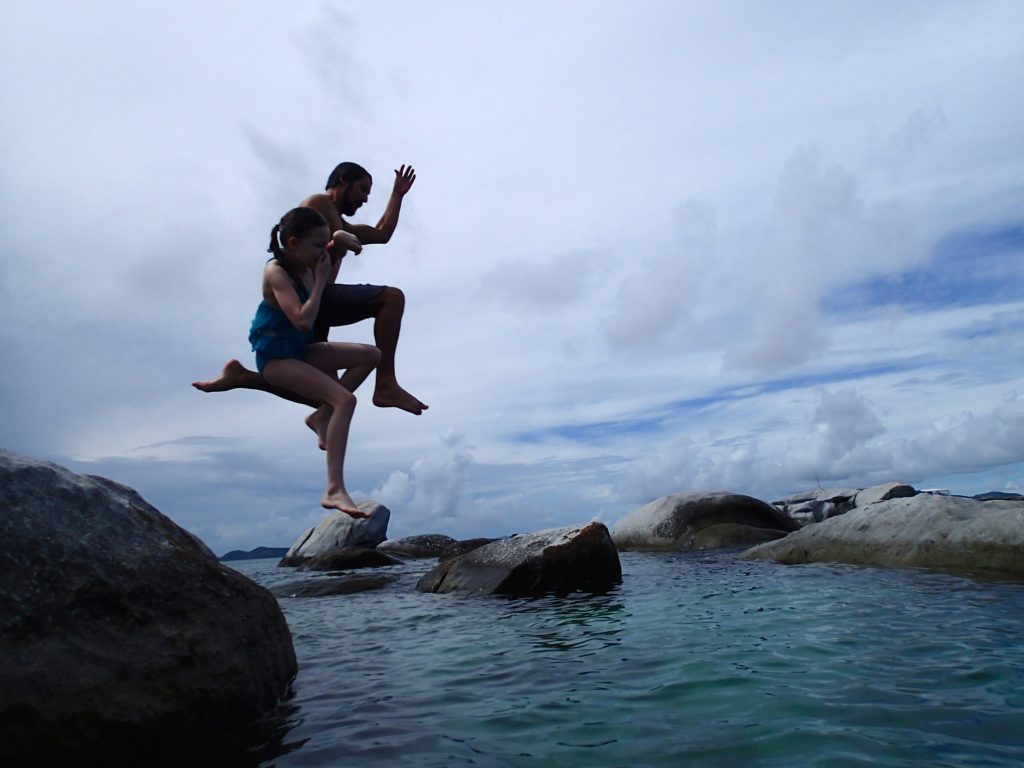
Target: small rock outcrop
x=678 y=522
x=947 y=532
x=122 y=639
x=337 y=531
x=559 y=560
x=820 y=505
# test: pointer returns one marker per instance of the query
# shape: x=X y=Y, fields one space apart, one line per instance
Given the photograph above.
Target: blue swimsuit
x=273 y=336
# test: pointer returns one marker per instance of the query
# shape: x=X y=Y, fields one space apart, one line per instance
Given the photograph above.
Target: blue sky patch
x=966 y=268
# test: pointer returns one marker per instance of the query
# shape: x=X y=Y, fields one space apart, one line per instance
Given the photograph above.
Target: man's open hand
x=404 y=177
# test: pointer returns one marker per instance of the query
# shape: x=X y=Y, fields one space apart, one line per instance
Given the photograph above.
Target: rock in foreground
x=700 y=520
x=337 y=531
x=949 y=532
x=559 y=560
x=122 y=639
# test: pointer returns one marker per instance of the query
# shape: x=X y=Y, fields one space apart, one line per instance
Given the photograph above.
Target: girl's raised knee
x=343 y=399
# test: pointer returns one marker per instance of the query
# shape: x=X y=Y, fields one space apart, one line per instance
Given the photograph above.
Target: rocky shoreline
x=117 y=627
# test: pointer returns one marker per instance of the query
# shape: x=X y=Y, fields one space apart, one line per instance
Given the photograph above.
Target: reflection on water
x=697 y=659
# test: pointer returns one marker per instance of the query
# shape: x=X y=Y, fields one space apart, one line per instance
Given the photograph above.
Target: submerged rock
x=326 y=587
x=923 y=530
x=337 y=531
x=122 y=639
x=348 y=558
x=559 y=560
x=676 y=522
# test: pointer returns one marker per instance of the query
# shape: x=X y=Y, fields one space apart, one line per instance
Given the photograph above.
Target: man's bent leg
x=389 y=307
x=347 y=304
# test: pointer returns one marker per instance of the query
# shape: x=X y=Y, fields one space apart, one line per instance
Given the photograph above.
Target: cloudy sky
x=652 y=247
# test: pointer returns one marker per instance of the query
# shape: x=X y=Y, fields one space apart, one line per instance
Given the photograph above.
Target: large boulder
x=927 y=530
x=559 y=560
x=122 y=639
x=339 y=530
x=675 y=522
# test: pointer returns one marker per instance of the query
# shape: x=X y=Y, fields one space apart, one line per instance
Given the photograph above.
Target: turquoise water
x=697 y=659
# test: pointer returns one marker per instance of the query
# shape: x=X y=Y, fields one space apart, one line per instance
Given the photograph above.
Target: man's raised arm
x=404 y=178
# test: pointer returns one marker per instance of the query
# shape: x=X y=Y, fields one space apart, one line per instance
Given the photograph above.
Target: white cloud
x=625 y=255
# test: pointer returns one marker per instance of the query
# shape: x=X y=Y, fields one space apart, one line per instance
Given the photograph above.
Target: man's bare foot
x=233 y=376
x=317 y=421
x=391 y=395
x=343 y=503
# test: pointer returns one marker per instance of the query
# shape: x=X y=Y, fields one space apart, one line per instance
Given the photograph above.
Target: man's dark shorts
x=344 y=305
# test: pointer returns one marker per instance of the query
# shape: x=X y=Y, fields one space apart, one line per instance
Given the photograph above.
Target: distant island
x=260 y=553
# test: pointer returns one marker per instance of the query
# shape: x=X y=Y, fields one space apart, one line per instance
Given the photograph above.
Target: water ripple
x=697 y=659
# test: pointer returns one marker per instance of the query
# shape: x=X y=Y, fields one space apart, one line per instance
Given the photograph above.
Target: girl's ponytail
x=275 y=242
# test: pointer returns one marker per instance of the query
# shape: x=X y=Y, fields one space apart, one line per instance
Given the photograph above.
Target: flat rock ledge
x=122 y=640
x=337 y=531
x=700 y=520
x=559 y=560
x=926 y=530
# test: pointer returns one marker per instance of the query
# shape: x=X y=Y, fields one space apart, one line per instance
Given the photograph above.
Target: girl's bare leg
x=359 y=361
x=308 y=381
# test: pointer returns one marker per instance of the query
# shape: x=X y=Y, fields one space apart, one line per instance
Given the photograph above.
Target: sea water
x=697 y=659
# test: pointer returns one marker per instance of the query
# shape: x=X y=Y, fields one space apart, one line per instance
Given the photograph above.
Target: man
x=348 y=188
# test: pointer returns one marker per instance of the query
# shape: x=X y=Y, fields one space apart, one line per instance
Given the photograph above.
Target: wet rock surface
x=559 y=560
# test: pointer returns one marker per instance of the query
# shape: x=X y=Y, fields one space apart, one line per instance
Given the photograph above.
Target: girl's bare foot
x=233 y=376
x=391 y=395
x=343 y=503
x=317 y=421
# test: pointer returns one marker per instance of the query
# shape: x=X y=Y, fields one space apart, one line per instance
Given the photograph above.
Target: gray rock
x=815 y=506
x=996 y=496
x=673 y=522
x=425 y=545
x=949 y=532
x=348 y=558
x=122 y=639
x=559 y=560
x=877 y=493
x=345 y=585
x=835 y=495
x=337 y=531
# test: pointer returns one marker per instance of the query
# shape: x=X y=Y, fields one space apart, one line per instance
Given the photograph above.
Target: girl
x=293 y=282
